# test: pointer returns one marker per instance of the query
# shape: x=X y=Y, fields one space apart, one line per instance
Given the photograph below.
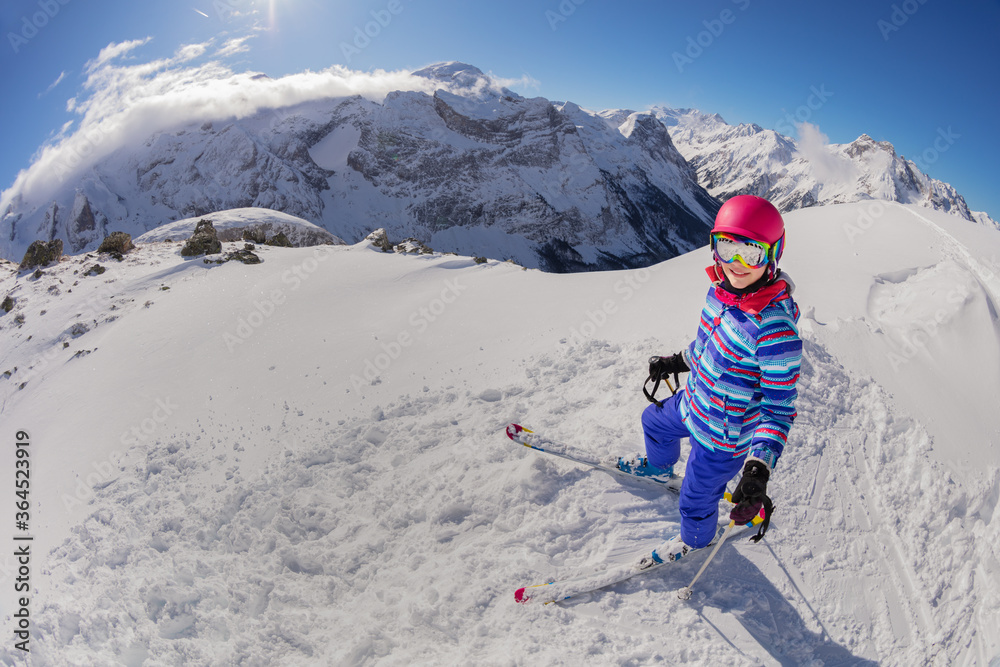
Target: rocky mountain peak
x=461 y=75
x=865 y=144
x=470 y=168
x=747 y=159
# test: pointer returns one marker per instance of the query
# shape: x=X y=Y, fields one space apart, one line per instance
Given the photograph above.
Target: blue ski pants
x=705 y=478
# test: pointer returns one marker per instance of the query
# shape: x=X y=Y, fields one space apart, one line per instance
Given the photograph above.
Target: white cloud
x=828 y=167
x=525 y=81
x=124 y=103
x=112 y=51
x=59 y=79
x=233 y=46
x=191 y=51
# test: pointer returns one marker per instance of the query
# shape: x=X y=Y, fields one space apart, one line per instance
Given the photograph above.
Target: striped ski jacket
x=740 y=394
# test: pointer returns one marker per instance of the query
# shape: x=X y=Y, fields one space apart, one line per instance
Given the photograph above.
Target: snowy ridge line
x=748 y=159
x=987 y=276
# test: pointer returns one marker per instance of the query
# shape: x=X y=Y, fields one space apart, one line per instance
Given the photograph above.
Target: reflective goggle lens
x=728 y=249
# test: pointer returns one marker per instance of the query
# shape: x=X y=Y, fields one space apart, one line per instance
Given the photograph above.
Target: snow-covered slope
x=749 y=159
x=470 y=168
x=231 y=224
x=303 y=461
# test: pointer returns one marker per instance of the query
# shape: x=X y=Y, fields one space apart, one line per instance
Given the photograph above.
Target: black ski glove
x=751 y=495
x=662 y=367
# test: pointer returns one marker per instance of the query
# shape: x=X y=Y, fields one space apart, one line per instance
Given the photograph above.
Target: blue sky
x=921 y=75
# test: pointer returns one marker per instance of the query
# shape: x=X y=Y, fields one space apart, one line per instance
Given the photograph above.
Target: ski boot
x=638 y=465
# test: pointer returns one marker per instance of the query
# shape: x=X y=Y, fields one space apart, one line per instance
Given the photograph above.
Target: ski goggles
x=729 y=248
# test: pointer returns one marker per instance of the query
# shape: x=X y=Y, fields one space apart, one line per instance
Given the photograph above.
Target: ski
x=564 y=589
x=532 y=440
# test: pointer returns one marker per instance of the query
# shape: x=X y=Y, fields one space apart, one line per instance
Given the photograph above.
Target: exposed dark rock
x=280 y=240
x=255 y=234
x=204 y=241
x=244 y=256
x=380 y=239
x=412 y=245
x=117 y=244
x=42 y=253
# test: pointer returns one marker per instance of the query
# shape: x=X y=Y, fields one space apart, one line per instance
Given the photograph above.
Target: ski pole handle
x=651 y=395
x=685 y=593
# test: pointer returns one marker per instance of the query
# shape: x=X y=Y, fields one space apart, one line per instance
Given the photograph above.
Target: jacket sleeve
x=779 y=353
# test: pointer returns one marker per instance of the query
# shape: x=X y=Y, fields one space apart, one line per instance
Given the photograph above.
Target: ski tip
x=520 y=596
x=514 y=429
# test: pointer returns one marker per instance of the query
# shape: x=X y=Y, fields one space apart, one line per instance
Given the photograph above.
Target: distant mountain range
x=473 y=168
x=748 y=159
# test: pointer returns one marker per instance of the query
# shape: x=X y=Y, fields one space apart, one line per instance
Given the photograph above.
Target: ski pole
x=685 y=593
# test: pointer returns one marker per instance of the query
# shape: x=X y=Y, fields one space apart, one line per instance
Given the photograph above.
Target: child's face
x=740 y=276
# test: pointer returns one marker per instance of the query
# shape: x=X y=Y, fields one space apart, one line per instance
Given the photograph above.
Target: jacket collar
x=751 y=302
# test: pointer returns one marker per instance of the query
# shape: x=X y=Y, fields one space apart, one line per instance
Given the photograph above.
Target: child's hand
x=751 y=495
x=752 y=488
x=664 y=367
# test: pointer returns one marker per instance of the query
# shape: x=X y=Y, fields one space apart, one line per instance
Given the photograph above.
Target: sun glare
x=272 y=14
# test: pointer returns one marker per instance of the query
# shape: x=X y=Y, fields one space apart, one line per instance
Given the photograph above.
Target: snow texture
x=303 y=461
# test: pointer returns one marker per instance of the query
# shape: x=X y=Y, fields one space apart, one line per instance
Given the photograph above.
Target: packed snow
x=304 y=461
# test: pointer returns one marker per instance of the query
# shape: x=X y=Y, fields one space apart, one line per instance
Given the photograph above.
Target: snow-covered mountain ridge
x=749 y=159
x=303 y=461
x=471 y=168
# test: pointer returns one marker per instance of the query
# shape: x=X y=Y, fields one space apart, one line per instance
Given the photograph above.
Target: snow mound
x=231 y=223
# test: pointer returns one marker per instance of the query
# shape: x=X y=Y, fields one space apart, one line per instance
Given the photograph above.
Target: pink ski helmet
x=754 y=218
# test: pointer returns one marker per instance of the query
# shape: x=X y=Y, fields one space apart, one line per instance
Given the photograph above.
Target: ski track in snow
x=398 y=536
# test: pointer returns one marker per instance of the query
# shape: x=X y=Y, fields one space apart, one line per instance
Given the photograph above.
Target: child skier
x=739 y=400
